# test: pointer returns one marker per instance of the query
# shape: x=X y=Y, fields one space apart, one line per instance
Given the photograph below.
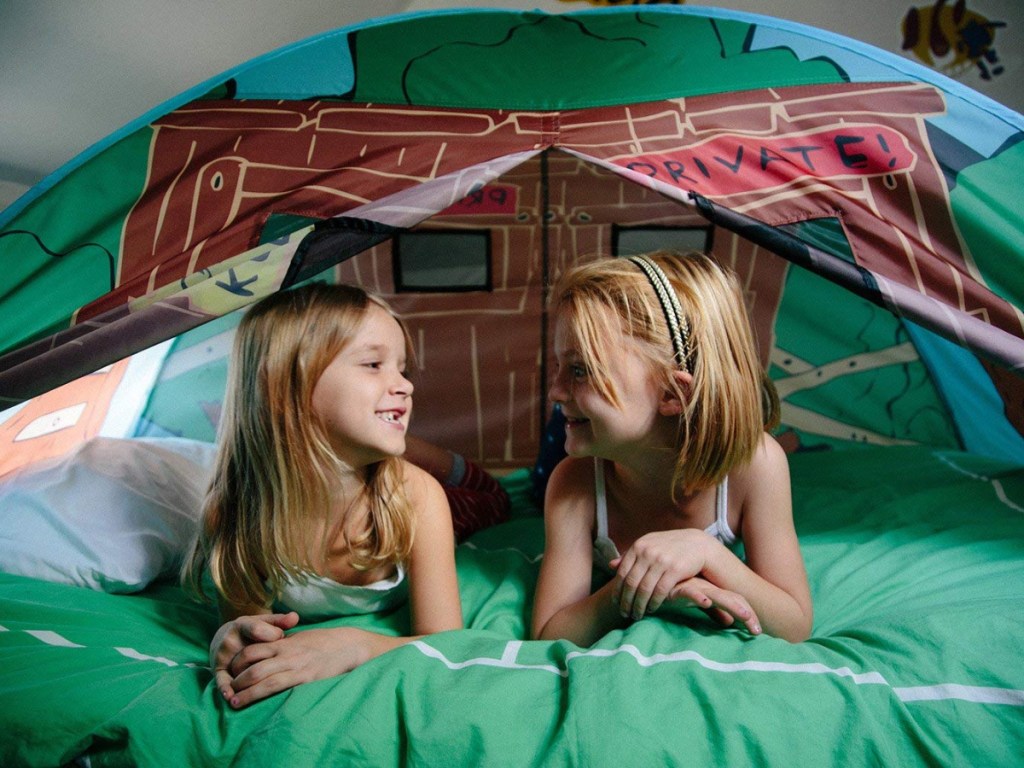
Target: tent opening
x=481 y=331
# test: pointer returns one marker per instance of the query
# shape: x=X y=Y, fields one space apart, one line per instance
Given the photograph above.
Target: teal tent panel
x=62 y=252
x=968 y=392
x=989 y=216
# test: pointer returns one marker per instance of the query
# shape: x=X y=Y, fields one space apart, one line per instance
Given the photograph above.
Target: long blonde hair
x=265 y=516
x=731 y=401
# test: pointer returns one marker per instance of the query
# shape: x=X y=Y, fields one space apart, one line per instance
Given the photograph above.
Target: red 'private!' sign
x=731 y=163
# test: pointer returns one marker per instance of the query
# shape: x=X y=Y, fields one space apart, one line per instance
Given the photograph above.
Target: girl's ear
x=673 y=399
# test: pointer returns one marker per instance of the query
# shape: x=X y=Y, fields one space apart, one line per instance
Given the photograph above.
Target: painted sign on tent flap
x=731 y=163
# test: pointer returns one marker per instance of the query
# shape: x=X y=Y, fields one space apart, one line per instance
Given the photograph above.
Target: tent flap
x=956 y=326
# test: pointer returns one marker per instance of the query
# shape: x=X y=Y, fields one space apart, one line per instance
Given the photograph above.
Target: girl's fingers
x=651 y=592
x=223 y=681
x=736 y=606
x=250 y=655
x=723 y=605
x=661 y=592
x=722 y=617
x=267 y=627
x=644 y=590
x=622 y=569
x=261 y=632
x=256 y=673
x=644 y=587
x=268 y=684
x=226 y=651
x=692 y=591
x=630 y=582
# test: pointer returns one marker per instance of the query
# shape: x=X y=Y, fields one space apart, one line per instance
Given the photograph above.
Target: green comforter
x=916 y=562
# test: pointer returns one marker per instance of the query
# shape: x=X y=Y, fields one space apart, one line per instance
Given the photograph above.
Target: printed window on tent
x=449 y=260
x=629 y=241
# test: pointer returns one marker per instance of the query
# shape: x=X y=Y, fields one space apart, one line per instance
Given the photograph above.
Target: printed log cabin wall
x=782 y=156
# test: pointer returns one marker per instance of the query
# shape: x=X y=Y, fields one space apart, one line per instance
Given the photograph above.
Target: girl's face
x=594 y=425
x=363 y=396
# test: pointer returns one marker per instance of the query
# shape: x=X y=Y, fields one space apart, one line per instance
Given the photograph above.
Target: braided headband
x=678 y=327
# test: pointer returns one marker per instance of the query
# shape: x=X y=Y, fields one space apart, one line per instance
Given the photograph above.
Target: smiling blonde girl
x=670 y=466
x=312 y=512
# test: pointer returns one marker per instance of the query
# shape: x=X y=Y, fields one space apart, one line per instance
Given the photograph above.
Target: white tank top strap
x=600 y=501
x=720 y=529
x=605 y=550
x=722 y=502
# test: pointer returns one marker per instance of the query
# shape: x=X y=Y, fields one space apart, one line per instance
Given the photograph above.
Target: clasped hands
x=252 y=657
x=664 y=568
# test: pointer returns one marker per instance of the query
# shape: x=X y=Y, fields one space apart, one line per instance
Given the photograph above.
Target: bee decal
x=952 y=38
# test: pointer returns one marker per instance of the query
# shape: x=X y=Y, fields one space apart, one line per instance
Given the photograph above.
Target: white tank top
x=319 y=597
x=604 y=548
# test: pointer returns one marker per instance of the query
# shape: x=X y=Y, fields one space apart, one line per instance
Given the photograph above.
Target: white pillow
x=112 y=515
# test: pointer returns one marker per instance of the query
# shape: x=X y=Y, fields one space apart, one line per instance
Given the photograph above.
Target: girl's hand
x=236 y=635
x=263 y=669
x=656 y=563
x=723 y=605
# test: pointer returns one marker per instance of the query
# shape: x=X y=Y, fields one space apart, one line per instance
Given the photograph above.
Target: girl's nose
x=402 y=385
x=558 y=392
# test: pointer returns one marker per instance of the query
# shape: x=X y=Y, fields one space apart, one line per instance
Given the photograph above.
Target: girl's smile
x=393 y=417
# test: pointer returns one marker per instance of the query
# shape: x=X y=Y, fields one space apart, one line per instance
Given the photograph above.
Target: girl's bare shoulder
x=764 y=478
x=570 y=491
x=419 y=484
x=573 y=474
x=769 y=461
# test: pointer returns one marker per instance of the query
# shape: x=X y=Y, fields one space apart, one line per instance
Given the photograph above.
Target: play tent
x=889 y=187
x=456 y=162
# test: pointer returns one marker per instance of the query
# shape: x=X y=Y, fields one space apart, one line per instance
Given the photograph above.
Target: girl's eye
x=373 y=364
x=578 y=371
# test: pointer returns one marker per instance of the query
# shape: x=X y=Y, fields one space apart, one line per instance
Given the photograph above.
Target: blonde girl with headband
x=670 y=467
x=312 y=512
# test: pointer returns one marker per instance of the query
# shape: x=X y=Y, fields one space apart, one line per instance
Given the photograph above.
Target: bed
x=916 y=562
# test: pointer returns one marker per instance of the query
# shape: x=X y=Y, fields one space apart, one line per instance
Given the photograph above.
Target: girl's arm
x=773 y=577
x=262 y=669
x=771 y=586
x=563 y=606
x=433 y=586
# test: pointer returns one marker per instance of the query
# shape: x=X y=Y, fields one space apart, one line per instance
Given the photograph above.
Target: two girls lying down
x=908 y=665
x=665 y=404
x=321 y=505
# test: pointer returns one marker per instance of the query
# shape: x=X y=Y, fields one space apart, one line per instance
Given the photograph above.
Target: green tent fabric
x=863 y=168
